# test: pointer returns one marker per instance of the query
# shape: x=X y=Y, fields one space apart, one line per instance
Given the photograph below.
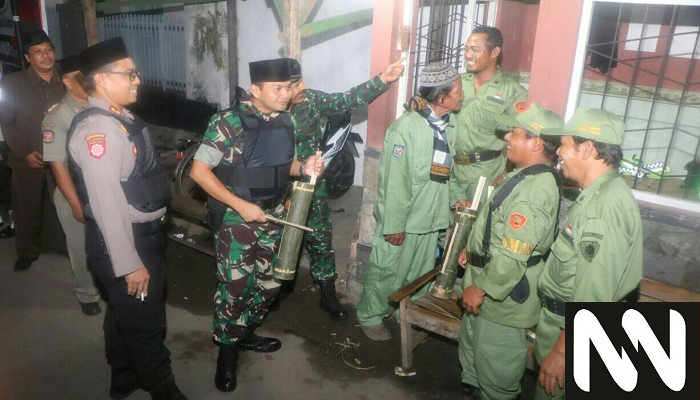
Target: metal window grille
x=442 y=31
x=647 y=74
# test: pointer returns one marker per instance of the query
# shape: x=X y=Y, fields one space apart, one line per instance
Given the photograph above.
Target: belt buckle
x=477 y=157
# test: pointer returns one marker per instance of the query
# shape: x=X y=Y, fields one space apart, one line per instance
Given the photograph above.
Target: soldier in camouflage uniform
x=308 y=107
x=252 y=147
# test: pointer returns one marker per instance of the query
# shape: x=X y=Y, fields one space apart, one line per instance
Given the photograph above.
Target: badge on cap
x=48 y=136
x=97 y=146
x=517 y=221
x=521 y=106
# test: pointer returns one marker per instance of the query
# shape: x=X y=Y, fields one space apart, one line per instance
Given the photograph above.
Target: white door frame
x=577 y=78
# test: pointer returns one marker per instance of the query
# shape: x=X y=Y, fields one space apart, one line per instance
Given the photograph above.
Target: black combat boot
x=226 y=365
x=329 y=301
x=258 y=344
x=168 y=390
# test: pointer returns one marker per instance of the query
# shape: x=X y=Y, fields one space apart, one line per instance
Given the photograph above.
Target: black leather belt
x=481 y=261
x=555 y=306
x=466 y=159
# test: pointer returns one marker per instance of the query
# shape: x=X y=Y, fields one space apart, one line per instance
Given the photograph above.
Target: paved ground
x=50 y=350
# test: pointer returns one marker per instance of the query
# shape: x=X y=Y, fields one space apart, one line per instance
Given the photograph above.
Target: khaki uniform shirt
x=597 y=255
x=523 y=226
x=477 y=130
x=101 y=147
x=55 y=128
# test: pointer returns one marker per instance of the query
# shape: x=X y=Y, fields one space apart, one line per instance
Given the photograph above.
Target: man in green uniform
x=487 y=93
x=504 y=256
x=598 y=253
x=68 y=206
x=308 y=107
x=412 y=206
x=252 y=147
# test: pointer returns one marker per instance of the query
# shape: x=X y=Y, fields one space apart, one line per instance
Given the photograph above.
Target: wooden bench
x=444 y=317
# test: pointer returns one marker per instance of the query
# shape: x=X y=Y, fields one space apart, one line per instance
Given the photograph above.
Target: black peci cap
x=276 y=70
x=33 y=38
x=69 y=64
x=294 y=70
x=101 y=54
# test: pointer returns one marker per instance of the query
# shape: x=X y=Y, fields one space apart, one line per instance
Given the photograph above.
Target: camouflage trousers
x=319 y=244
x=245 y=256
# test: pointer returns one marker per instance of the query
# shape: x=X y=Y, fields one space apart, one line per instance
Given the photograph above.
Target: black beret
x=294 y=69
x=276 y=70
x=101 y=54
x=69 y=64
x=33 y=38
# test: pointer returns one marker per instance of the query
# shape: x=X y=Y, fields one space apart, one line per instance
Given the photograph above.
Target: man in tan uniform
x=70 y=211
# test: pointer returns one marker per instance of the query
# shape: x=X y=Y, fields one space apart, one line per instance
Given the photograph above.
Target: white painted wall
x=331 y=62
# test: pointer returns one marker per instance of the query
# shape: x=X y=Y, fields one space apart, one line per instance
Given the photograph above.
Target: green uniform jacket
x=55 y=128
x=523 y=226
x=317 y=105
x=407 y=200
x=597 y=255
x=477 y=128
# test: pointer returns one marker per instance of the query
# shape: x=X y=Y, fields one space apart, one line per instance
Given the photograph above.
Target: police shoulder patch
x=517 y=221
x=589 y=249
x=97 y=145
x=399 y=150
x=48 y=136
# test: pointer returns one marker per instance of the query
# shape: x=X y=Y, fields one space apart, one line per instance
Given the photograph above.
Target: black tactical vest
x=147 y=188
x=262 y=171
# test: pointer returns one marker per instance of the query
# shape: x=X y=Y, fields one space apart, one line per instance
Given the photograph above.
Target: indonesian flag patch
x=517 y=221
x=97 y=146
x=48 y=136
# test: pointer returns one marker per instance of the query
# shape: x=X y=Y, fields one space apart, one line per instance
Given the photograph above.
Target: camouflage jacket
x=316 y=105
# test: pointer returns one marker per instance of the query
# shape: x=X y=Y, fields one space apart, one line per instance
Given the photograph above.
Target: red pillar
x=386 y=25
x=553 y=58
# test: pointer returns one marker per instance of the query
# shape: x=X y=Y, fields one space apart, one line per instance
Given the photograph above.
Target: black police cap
x=33 y=38
x=69 y=64
x=276 y=70
x=101 y=54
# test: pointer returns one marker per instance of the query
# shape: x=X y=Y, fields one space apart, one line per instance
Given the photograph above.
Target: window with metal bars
x=641 y=65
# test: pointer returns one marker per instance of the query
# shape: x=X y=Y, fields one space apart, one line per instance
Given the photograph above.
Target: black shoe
x=226 y=365
x=329 y=301
x=471 y=392
x=168 y=390
x=23 y=264
x=91 y=308
x=7 y=232
x=258 y=344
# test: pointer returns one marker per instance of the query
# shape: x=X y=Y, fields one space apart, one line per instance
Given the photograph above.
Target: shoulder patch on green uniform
x=592 y=234
x=589 y=249
x=521 y=106
x=398 y=151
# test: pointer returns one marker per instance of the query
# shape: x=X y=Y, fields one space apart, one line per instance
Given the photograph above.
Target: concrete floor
x=50 y=350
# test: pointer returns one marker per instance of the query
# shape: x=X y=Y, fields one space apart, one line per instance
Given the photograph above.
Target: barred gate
x=156 y=44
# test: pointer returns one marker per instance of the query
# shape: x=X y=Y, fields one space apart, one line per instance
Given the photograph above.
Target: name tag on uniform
x=496 y=98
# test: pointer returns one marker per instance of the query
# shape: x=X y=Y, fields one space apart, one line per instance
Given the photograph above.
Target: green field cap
x=531 y=117
x=593 y=124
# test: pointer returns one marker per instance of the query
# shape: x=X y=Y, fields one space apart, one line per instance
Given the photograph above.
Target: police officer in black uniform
x=119 y=179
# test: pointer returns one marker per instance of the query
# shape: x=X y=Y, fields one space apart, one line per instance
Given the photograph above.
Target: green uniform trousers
x=319 y=243
x=392 y=267
x=492 y=356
